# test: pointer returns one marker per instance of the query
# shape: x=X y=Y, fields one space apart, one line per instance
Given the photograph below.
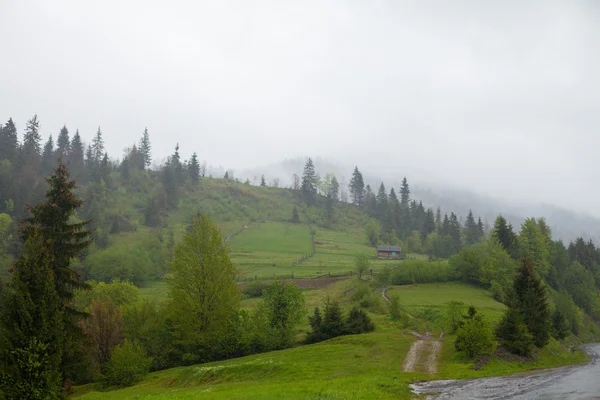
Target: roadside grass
x=349 y=367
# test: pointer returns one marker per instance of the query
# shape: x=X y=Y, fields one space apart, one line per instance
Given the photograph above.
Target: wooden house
x=388 y=252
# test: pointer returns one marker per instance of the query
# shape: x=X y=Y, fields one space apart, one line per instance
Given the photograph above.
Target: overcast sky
x=502 y=97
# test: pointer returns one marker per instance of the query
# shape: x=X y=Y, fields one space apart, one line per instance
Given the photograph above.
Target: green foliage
x=455 y=315
x=534 y=244
x=203 y=293
x=358 y=322
x=486 y=264
x=475 y=337
x=373 y=232
x=513 y=334
x=120 y=293
x=295 y=216
x=506 y=237
x=254 y=289
x=333 y=323
x=127 y=365
x=285 y=306
x=31 y=327
x=362 y=265
x=410 y=272
x=560 y=325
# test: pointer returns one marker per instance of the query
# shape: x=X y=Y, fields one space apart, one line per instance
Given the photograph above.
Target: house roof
x=388 y=248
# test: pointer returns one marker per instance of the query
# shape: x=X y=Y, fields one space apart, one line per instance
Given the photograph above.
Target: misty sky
x=502 y=97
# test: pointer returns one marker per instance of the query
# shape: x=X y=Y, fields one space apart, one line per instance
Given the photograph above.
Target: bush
x=513 y=334
x=254 y=289
x=358 y=322
x=127 y=365
x=475 y=337
x=409 y=272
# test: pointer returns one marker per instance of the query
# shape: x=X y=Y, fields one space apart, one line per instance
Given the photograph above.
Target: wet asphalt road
x=579 y=382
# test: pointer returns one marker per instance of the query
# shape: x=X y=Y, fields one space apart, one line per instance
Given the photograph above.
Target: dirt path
x=424 y=353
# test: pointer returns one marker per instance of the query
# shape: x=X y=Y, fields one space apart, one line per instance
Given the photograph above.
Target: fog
x=502 y=98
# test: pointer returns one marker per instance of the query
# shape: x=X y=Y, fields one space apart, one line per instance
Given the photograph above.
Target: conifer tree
x=63 y=144
x=454 y=232
x=428 y=225
x=471 y=233
x=532 y=302
x=177 y=167
x=480 y=229
x=309 y=183
x=48 y=157
x=334 y=189
x=31 y=327
x=64 y=241
x=9 y=141
x=263 y=182
x=504 y=234
x=405 y=217
x=438 y=220
x=145 y=148
x=295 y=215
x=32 y=140
x=77 y=152
x=97 y=147
x=357 y=188
x=194 y=168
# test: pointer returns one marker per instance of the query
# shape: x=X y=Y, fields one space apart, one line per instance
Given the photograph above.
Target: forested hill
x=566 y=224
x=139 y=213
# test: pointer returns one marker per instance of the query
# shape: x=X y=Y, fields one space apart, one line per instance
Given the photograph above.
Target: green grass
x=349 y=367
x=433 y=298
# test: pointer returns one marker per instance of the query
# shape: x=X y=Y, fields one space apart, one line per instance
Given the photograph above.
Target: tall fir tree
x=9 y=141
x=263 y=182
x=63 y=145
x=31 y=327
x=357 y=188
x=177 y=166
x=428 y=225
x=194 y=168
x=503 y=232
x=438 y=220
x=32 y=140
x=382 y=203
x=146 y=149
x=454 y=232
x=471 y=233
x=76 y=156
x=64 y=240
x=48 y=157
x=405 y=217
x=97 y=147
x=480 y=229
x=309 y=183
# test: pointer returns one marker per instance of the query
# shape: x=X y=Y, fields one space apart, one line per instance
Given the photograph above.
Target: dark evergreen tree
x=194 y=169
x=357 y=188
x=309 y=183
x=263 y=182
x=358 y=322
x=31 y=327
x=176 y=166
x=370 y=201
x=532 y=302
x=97 y=148
x=64 y=241
x=454 y=232
x=32 y=141
x=513 y=334
x=428 y=225
x=9 y=142
x=405 y=217
x=63 y=145
x=471 y=232
x=145 y=149
x=76 y=156
x=560 y=325
x=334 y=189
x=480 y=230
x=503 y=232
x=393 y=213
x=445 y=231
x=48 y=157
x=438 y=220
x=382 y=203
x=295 y=215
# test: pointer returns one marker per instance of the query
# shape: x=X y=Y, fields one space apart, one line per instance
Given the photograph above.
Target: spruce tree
x=357 y=188
x=64 y=241
x=32 y=140
x=263 y=182
x=309 y=183
x=48 y=157
x=63 y=144
x=471 y=234
x=31 y=326
x=532 y=302
x=382 y=202
x=454 y=232
x=9 y=141
x=145 y=149
x=428 y=225
x=438 y=220
x=405 y=217
x=97 y=147
x=194 y=169
x=504 y=234
x=77 y=153
x=480 y=229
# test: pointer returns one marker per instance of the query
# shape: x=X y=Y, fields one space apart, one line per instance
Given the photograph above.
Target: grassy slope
x=352 y=367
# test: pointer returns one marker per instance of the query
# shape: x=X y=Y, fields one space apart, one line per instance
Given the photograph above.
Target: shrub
x=254 y=289
x=409 y=272
x=475 y=337
x=513 y=333
x=358 y=322
x=127 y=365
x=455 y=317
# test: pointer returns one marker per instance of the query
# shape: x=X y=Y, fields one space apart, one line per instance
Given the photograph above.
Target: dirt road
x=579 y=382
